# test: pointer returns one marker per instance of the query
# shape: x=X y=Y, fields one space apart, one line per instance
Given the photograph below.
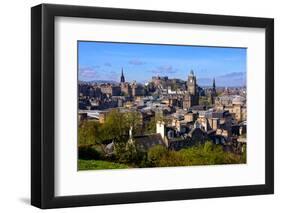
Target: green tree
x=155 y=154
x=150 y=127
x=134 y=120
x=88 y=133
x=118 y=123
x=115 y=125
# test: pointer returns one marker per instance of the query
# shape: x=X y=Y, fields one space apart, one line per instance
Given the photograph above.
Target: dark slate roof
x=198 y=107
x=190 y=134
x=217 y=114
x=210 y=132
x=180 y=143
x=147 y=141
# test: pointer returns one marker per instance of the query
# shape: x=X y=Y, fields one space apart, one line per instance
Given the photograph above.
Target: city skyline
x=171 y=120
x=105 y=60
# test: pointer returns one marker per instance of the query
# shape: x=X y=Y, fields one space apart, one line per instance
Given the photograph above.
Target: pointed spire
x=214 y=92
x=214 y=83
x=122 y=79
x=191 y=72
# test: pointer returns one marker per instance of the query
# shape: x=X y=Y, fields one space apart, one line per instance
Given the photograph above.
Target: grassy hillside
x=99 y=164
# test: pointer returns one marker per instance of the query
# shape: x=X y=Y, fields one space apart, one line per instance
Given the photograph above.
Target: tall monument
x=122 y=79
x=213 y=92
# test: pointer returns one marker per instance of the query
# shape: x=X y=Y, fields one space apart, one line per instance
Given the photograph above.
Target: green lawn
x=99 y=164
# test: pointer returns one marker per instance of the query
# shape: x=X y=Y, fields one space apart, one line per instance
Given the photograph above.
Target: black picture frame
x=43 y=111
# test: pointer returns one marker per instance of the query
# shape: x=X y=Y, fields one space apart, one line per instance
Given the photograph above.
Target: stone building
x=235 y=104
x=137 y=89
x=219 y=121
x=131 y=90
x=126 y=89
x=191 y=98
x=89 y=90
x=109 y=89
x=190 y=117
x=187 y=102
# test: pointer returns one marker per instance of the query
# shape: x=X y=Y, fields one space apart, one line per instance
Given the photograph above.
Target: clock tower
x=192 y=97
x=191 y=83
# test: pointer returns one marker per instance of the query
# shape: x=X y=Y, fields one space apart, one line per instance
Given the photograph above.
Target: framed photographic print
x=139 y=106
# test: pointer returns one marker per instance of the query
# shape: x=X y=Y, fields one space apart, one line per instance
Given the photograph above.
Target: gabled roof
x=198 y=107
x=147 y=141
x=190 y=134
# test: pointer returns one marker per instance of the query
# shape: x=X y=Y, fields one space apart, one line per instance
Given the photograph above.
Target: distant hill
x=234 y=79
x=99 y=82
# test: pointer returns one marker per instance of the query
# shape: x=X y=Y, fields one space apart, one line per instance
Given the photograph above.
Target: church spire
x=122 y=79
x=214 y=92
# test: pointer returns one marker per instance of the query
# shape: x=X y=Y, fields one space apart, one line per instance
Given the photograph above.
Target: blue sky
x=104 y=61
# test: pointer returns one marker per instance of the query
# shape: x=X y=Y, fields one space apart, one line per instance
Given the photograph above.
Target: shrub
x=132 y=156
x=208 y=146
x=205 y=154
x=172 y=158
x=88 y=152
x=155 y=154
